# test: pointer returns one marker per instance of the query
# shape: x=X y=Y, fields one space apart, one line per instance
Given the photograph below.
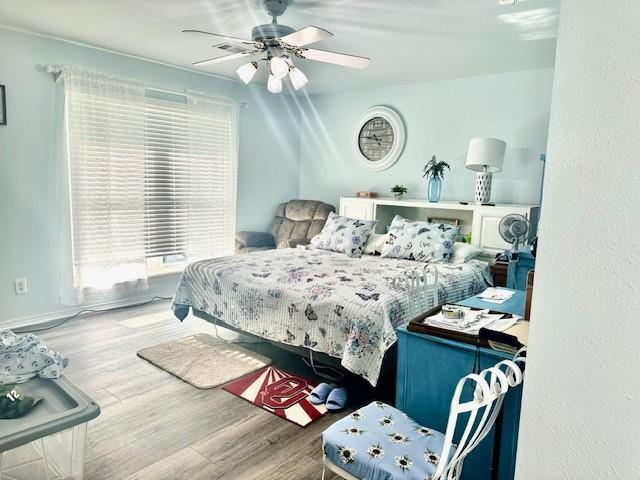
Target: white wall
x=581 y=408
x=29 y=163
x=441 y=117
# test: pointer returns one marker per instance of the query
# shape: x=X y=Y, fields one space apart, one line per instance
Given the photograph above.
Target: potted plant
x=434 y=171
x=399 y=190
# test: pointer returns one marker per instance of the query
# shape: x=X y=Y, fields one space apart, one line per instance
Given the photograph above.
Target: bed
x=345 y=307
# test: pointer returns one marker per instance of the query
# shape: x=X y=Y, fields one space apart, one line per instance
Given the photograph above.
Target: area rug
x=204 y=361
x=280 y=393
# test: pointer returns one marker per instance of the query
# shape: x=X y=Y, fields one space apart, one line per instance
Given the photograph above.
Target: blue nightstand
x=429 y=368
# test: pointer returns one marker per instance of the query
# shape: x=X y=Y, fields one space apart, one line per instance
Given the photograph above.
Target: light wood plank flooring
x=155 y=426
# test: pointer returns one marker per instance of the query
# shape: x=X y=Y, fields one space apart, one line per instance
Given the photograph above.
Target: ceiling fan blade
x=306 y=36
x=232 y=39
x=224 y=58
x=345 y=60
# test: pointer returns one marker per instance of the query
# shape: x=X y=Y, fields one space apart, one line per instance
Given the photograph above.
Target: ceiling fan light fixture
x=275 y=43
x=298 y=78
x=274 y=84
x=247 y=71
x=279 y=68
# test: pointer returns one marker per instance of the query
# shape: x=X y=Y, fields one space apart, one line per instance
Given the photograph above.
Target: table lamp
x=485 y=156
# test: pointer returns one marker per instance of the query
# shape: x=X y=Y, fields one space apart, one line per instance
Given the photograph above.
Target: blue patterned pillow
x=421 y=241
x=344 y=235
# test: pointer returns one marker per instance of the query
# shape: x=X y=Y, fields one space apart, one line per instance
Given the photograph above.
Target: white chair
x=380 y=438
x=421 y=288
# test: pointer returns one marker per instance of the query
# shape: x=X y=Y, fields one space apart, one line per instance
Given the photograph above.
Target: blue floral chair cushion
x=344 y=235
x=421 y=241
x=379 y=442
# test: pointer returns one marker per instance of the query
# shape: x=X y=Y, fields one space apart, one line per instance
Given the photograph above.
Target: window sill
x=166 y=271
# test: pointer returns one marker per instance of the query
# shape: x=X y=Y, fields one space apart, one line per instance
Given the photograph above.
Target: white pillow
x=421 y=241
x=375 y=243
x=344 y=235
x=463 y=252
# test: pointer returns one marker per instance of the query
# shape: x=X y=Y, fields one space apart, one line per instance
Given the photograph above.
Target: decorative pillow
x=463 y=252
x=375 y=244
x=344 y=235
x=422 y=241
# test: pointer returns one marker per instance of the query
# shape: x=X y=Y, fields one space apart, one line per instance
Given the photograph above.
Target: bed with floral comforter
x=345 y=307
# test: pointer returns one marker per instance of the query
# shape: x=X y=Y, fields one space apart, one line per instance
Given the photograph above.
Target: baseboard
x=44 y=320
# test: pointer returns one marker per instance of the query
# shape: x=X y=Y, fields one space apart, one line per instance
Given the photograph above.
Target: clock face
x=375 y=140
x=379 y=138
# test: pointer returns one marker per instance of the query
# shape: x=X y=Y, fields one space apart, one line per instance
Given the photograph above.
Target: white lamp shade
x=486 y=155
x=298 y=79
x=247 y=71
x=274 y=84
x=279 y=68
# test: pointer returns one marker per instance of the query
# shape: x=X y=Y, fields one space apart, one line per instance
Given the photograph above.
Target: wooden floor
x=155 y=426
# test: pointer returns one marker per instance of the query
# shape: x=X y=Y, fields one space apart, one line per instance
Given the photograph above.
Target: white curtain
x=213 y=174
x=105 y=162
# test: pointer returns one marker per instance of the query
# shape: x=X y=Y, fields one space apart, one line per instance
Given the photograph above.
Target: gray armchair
x=296 y=223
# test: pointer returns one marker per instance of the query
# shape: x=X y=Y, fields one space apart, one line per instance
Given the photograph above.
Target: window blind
x=148 y=177
x=190 y=177
x=166 y=177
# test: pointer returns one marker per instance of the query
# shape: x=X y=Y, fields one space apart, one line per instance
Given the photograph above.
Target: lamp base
x=483 y=187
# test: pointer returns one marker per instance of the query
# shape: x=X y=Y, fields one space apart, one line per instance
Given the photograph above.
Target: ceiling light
x=274 y=84
x=279 y=67
x=247 y=71
x=298 y=79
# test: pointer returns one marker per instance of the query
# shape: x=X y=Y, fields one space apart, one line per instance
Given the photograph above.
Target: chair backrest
x=299 y=219
x=421 y=287
x=489 y=389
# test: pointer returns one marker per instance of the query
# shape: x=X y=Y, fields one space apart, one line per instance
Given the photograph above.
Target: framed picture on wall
x=3 y=106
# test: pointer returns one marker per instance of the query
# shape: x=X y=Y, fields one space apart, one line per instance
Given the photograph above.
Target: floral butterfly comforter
x=345 y=307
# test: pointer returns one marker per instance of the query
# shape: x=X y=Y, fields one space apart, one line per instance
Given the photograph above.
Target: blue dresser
x=428 y=371
x=517 y=275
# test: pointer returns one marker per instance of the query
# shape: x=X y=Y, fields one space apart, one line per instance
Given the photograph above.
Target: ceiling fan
x=280 y=43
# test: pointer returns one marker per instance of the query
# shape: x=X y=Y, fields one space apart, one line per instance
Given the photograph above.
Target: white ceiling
x=407 y=40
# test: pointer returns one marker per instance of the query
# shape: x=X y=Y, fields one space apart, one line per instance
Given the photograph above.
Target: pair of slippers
x=334 y=397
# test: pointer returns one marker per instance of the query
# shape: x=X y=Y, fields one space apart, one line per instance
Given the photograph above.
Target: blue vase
x=435 y=189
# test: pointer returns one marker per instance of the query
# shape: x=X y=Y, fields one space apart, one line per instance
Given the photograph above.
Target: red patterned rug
x=280 y=393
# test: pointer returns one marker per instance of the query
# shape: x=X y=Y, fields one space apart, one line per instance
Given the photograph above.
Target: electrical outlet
x=20 y=285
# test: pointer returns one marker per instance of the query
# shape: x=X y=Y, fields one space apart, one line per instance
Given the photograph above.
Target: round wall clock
x=379 y=138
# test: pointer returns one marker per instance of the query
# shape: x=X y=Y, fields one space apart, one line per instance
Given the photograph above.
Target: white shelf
x=479 y=220
x=444 y=204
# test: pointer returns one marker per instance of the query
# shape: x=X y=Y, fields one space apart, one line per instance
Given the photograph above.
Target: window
x=166 y=181
x=152 y=178
x=189 y=200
